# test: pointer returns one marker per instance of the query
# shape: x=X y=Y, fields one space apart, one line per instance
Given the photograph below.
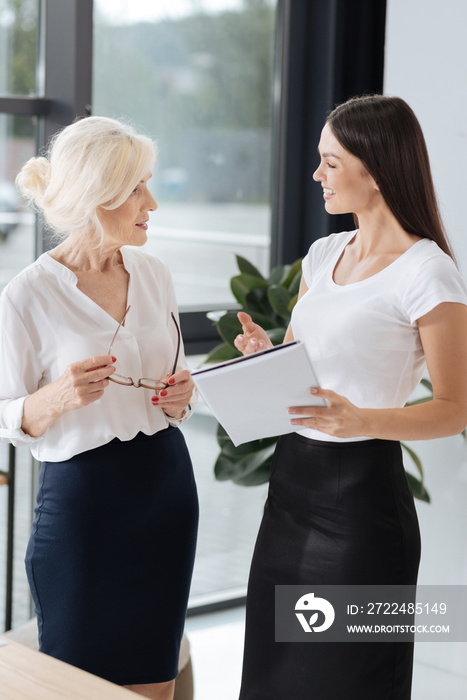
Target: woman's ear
x=373 y=183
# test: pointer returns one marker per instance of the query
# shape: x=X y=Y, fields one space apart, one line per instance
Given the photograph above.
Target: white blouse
x=47 y=323
x=363 y=338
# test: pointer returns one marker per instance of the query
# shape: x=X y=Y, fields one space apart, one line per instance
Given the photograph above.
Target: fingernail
x=114 y=359
x=163 y=393
x=313 y=390
x=155 y=399
x=171 y=380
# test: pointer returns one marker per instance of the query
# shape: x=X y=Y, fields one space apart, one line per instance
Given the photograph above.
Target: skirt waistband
x=373 y=442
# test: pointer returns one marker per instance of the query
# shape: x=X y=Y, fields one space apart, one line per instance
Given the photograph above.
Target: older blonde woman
x=94 y=379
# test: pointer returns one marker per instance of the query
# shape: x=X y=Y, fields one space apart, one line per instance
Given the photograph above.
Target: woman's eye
x=330 y=166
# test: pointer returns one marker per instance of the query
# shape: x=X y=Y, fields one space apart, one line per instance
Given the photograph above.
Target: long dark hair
x=384 y=133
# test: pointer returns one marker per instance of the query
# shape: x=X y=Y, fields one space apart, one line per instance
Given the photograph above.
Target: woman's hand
x=339 y=418
x=254 y=337
x=175 y=398
x=81 y=383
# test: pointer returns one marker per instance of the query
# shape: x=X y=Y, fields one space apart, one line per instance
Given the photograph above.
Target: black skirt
x=111 y=555
x=337 y=513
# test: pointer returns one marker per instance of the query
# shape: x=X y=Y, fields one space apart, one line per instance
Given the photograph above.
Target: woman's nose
x=152 y=204
x=317 y=175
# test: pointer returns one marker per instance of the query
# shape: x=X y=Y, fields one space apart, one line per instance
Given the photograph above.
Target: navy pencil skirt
x=336 y=514
x=111 y=554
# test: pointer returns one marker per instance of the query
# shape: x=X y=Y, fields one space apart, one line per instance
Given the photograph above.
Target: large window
x=18 y=32
x=197 y=77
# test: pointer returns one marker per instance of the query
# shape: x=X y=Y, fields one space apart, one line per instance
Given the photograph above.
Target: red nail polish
x=171 y=380
x=114 y=359
x=155 y=399
x=163 y=393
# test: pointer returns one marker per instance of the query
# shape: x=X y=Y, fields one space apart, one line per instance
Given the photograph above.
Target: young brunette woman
x=377 y=307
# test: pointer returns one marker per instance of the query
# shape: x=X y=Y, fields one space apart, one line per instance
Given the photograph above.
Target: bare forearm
x=40 y=411
x=82 y=383
x=434 y=419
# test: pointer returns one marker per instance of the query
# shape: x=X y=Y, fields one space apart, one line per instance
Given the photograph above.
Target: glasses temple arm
x=116 y=332
x=178 y=342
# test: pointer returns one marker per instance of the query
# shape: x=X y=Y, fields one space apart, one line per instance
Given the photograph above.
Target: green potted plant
x=270 y=301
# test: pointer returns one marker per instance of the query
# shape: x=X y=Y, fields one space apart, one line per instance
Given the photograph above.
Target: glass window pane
x=22 y=608
x=17 y=249
x=17 y=230
x=18 y=25
x=229 y=516
x=196 y=75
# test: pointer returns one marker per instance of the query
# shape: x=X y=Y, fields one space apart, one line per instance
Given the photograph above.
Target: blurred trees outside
x=202 y=86
x=18 y=30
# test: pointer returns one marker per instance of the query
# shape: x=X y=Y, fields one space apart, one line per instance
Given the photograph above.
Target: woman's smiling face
x=128 y=223
x=347 y=185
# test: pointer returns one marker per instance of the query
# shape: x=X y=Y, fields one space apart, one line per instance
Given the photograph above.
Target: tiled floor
x=217 y=645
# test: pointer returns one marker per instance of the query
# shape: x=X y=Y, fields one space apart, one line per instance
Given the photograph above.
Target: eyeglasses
x=146 y=383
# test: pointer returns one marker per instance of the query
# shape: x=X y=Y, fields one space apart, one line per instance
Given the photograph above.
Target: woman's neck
x=81 y=252
x=380 y=234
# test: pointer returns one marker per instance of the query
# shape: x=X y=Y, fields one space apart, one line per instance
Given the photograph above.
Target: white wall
x=426 y=64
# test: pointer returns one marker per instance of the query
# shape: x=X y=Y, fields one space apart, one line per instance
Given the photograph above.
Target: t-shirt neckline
x=369 y=279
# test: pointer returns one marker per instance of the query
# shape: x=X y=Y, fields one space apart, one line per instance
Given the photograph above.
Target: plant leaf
x=228 y=467
x=263 y=320
x=295 y=284
x=427 y=384
x=294 y=270
x=418 y=489
x=279 y=298
x=259 y=476
x=257 y=302
x=276 y=335
x=292 y=303
x=278 y=273
x=222 y=353
x=222 y=437
x=242 y=284
x=229 y=327
x=224 y=468
x=253 y=461
x=247 y=448
x=247 y=268
x=415 y=459
x=424 y=399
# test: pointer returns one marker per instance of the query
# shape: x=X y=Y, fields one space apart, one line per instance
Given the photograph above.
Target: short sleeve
x=436 y=280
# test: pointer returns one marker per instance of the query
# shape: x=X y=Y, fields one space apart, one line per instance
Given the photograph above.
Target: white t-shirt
x=363 y=338
x=47 y=323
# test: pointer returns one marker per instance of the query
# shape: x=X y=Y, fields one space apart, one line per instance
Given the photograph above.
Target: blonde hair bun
x=33 y=179
x=92 y=163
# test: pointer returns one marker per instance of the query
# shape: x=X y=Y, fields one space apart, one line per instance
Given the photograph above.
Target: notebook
x=250 y=395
